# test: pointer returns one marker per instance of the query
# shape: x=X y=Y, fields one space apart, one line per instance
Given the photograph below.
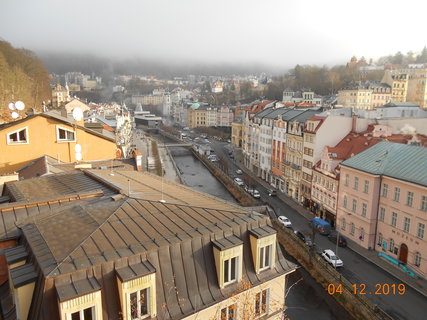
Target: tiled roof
x=395 y=160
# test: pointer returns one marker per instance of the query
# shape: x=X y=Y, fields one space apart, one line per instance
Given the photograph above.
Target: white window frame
x=227 y=312
x=382 y=214
x=59 y=140
x=10 y=142
x=364 y=209
x=420 y=230
x=262 y=253
x=129 y=303
x=406 y=224
x=236 y=267
x=81 y=314
x=267 y=302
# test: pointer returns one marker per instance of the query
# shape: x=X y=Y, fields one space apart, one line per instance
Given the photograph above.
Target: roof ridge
x=84 y=240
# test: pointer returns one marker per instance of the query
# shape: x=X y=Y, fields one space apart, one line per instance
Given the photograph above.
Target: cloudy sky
x=272 y=32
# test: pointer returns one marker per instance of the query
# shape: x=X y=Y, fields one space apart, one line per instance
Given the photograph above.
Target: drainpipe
x=378 y=208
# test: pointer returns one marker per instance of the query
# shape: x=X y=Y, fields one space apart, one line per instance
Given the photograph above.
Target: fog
x=279 y=33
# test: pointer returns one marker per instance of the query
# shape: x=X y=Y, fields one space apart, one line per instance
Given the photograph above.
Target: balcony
x=295 y=166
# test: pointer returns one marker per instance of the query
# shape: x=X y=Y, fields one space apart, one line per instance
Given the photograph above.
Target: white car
x=285 y=221
x=238 y=171
x=255 y=194
x=239 y=182
x=330 y=256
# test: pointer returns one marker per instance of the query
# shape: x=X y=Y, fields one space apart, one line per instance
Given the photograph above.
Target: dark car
x=303 y=238
x=342 y=242
x=272 y=192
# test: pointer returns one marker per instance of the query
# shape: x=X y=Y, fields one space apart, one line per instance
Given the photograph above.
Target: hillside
x=23 y=77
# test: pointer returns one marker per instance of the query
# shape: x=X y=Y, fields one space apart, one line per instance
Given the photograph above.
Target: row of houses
x=304 y=153
x=197 y=114
x=405 y=84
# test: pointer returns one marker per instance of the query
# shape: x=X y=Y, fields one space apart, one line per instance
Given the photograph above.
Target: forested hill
x=23 y=77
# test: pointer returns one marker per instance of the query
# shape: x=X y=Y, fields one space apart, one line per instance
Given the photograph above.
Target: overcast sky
x=273 y=32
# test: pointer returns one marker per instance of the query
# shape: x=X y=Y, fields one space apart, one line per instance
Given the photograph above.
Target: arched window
x=417 y=259
x=352 y=228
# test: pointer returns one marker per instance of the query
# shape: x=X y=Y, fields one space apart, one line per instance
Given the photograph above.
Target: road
x=410 y=306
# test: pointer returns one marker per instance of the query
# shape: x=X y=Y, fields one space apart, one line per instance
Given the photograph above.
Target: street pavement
x=361 y=267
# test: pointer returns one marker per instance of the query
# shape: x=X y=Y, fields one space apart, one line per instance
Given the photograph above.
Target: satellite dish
x=15 y=115
x=77 y=114
x=78 y=148
x=11 y=106
x=19 y=105
x=78 y=156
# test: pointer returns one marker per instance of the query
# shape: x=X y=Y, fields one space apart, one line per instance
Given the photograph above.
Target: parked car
x=239 y=182
x=303 y=238
x=238 y=171
x=249 y=189
x=285 y=221
x=342 y=242
x=272 y=192
x=333 y=259
x=255 y=194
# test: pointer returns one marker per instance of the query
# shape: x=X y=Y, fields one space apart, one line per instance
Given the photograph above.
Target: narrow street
x=410 y=306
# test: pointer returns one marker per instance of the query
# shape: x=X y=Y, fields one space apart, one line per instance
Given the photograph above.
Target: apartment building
x=302 y=96
x=54 y=135
x=188 y=256
x=294 y=152
x=382 y=202
x=325 y=182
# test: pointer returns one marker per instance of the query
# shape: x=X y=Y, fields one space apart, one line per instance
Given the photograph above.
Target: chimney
x=63 y=112
x=353 y=123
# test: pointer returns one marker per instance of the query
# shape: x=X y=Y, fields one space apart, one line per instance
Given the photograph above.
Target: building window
x=228 y=313
x=354 y=205
x=380 y=239
x=352 y=228
x=417 y=259
x=362 y=234
x=391 y=249
x=139 y=303
x=63 y=134
x=394 y=219
x=85 y=314
x=347 y=180
x=261 y=303
x=410 y=199
x=396 y=194
x=343 y=224
x=382 y=214
x=406 y=223
x=230 y=270
x=18 y=137
x=366 y=187
x=356 y=183
x=424 y=203
x=364 y=208
x=420 y=231
x=384 y=190
x=345 y=202
x=265 y=257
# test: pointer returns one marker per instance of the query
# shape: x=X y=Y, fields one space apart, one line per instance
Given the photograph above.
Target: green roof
x=395 y=160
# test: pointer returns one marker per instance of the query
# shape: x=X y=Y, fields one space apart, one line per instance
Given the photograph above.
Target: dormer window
x=137 y=290
x=263 y=245
x=18 y=137
x=228 y=254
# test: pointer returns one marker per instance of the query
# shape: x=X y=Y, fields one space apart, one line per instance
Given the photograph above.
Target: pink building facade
x=383 y=202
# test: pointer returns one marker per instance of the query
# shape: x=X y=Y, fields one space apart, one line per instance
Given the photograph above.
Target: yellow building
x=188 y=256
x=399 y=87
x=60 y=96
x=50 y=134
x=236 y=134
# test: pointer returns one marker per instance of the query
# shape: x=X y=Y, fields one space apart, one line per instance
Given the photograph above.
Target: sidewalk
x=420 y=285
